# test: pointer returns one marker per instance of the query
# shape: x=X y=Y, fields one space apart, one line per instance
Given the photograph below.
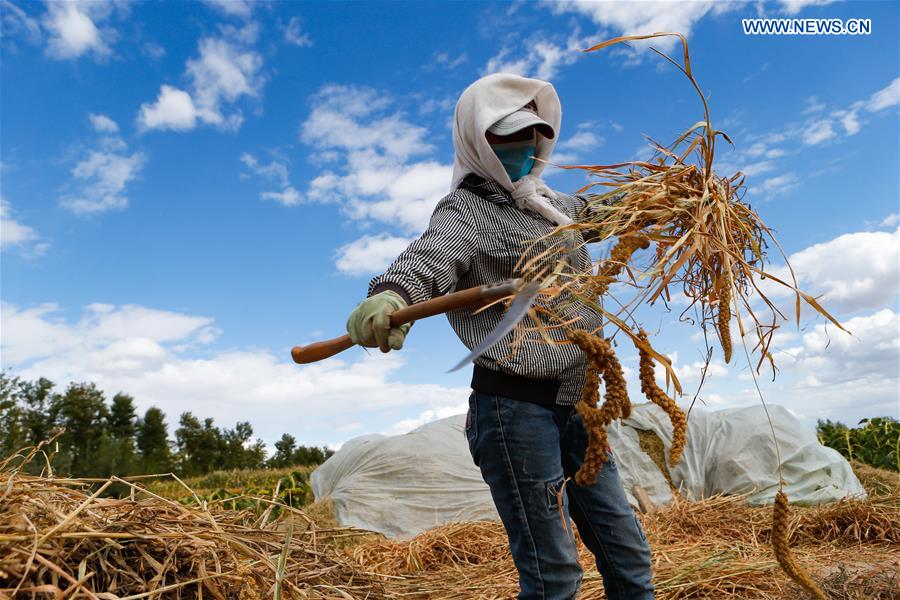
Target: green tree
x=40 y=410
x=199 y=445
x=122 y=417
x=12 y=432
x=284 y=452
x=255 y=455
x=122 y=427
x=234 y=447
x=311 y=455
x=153 y=442
x=83 y=412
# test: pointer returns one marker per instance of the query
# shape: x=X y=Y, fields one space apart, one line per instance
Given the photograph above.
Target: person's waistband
x=518 y=387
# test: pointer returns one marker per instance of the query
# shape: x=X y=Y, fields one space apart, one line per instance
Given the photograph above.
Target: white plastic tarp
x=403 y=485
x=731 y=452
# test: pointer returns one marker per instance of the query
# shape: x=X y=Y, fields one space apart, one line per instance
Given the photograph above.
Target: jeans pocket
x=637 y=523
x=472 y=426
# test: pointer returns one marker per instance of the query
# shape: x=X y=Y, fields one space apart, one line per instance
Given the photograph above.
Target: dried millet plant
x=625 y=246
x=782 y=548
x=616 y=405
x=724 y=318
x=661 y=399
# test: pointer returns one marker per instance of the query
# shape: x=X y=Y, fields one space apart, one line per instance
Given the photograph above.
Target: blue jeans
x=525 y=452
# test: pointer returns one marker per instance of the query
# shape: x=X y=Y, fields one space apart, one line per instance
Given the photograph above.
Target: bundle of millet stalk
x=673 y=223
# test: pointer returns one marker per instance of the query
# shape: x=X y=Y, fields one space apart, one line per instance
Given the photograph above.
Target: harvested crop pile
x=675 y=222
x=717 y=548
x=60 y=538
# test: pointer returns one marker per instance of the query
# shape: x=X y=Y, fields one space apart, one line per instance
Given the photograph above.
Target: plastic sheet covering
x=731 y=452
x=403 y=485
x=635 y=466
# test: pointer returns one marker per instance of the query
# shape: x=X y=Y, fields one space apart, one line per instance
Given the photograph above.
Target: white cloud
x=73 y=30
x=369 y=254
x=101 y=179
x=756 y=149
x=873 y=349
x=400 y=195
x=569 y=150
x=842 y=376
x=277 y=172
x=757 y=168
x=818 y=131
x=500 y=63
x=427 y=416
x=39 y=333
x=162 y=359
x=542 y=58
x=850 y=121
x=852 y=272
x=103 y=124
x=16 y=21
x=640 y=18
x=224 y=72
x=777 y=185
x=349 y=118
x=174 y=109
x=890 y=221
x=15 y=235
x=430 y=105
x=448 y=62
x=287 y=197
x=694 y=371
x=234 y=8
x=582 y=140
x=819 y=125
x=885 y=98
x=813 y=105
x=373 y=177
x=820 y=128
x=792 y=7
x=153 y=50
x=294 y=35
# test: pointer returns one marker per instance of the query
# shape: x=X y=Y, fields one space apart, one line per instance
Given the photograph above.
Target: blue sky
x=191 y=188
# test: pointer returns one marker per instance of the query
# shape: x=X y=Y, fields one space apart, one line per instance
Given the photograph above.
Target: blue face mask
x=516 y=157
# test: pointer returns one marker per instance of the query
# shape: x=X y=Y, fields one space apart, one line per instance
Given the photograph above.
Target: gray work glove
x=370 y=323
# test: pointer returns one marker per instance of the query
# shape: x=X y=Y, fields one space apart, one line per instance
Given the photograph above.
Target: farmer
x=522 y=429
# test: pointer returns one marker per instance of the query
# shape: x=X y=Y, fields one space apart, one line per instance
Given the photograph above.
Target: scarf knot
x=530 y=193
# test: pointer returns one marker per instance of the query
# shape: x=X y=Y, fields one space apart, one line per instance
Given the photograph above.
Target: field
x=239 y=489
x=61 y=538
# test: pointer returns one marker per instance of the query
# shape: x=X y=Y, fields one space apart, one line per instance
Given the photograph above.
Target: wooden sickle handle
x=303 y=355
x=467 y=298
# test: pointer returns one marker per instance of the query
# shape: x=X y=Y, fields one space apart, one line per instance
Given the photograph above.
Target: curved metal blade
x=518 y=309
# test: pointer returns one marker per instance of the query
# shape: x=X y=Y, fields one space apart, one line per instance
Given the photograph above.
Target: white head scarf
x=484 y=103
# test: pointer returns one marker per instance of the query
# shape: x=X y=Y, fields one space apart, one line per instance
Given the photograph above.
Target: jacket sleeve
x=435 y=261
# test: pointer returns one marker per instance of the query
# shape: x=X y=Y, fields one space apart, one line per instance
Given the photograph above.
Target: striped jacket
x=476 y=236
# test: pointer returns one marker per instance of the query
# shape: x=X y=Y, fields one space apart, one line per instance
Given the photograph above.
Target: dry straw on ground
x=60 y=538
x=716 y=548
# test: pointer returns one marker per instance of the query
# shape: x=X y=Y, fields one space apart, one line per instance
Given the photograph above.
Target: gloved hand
x=370 y=323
